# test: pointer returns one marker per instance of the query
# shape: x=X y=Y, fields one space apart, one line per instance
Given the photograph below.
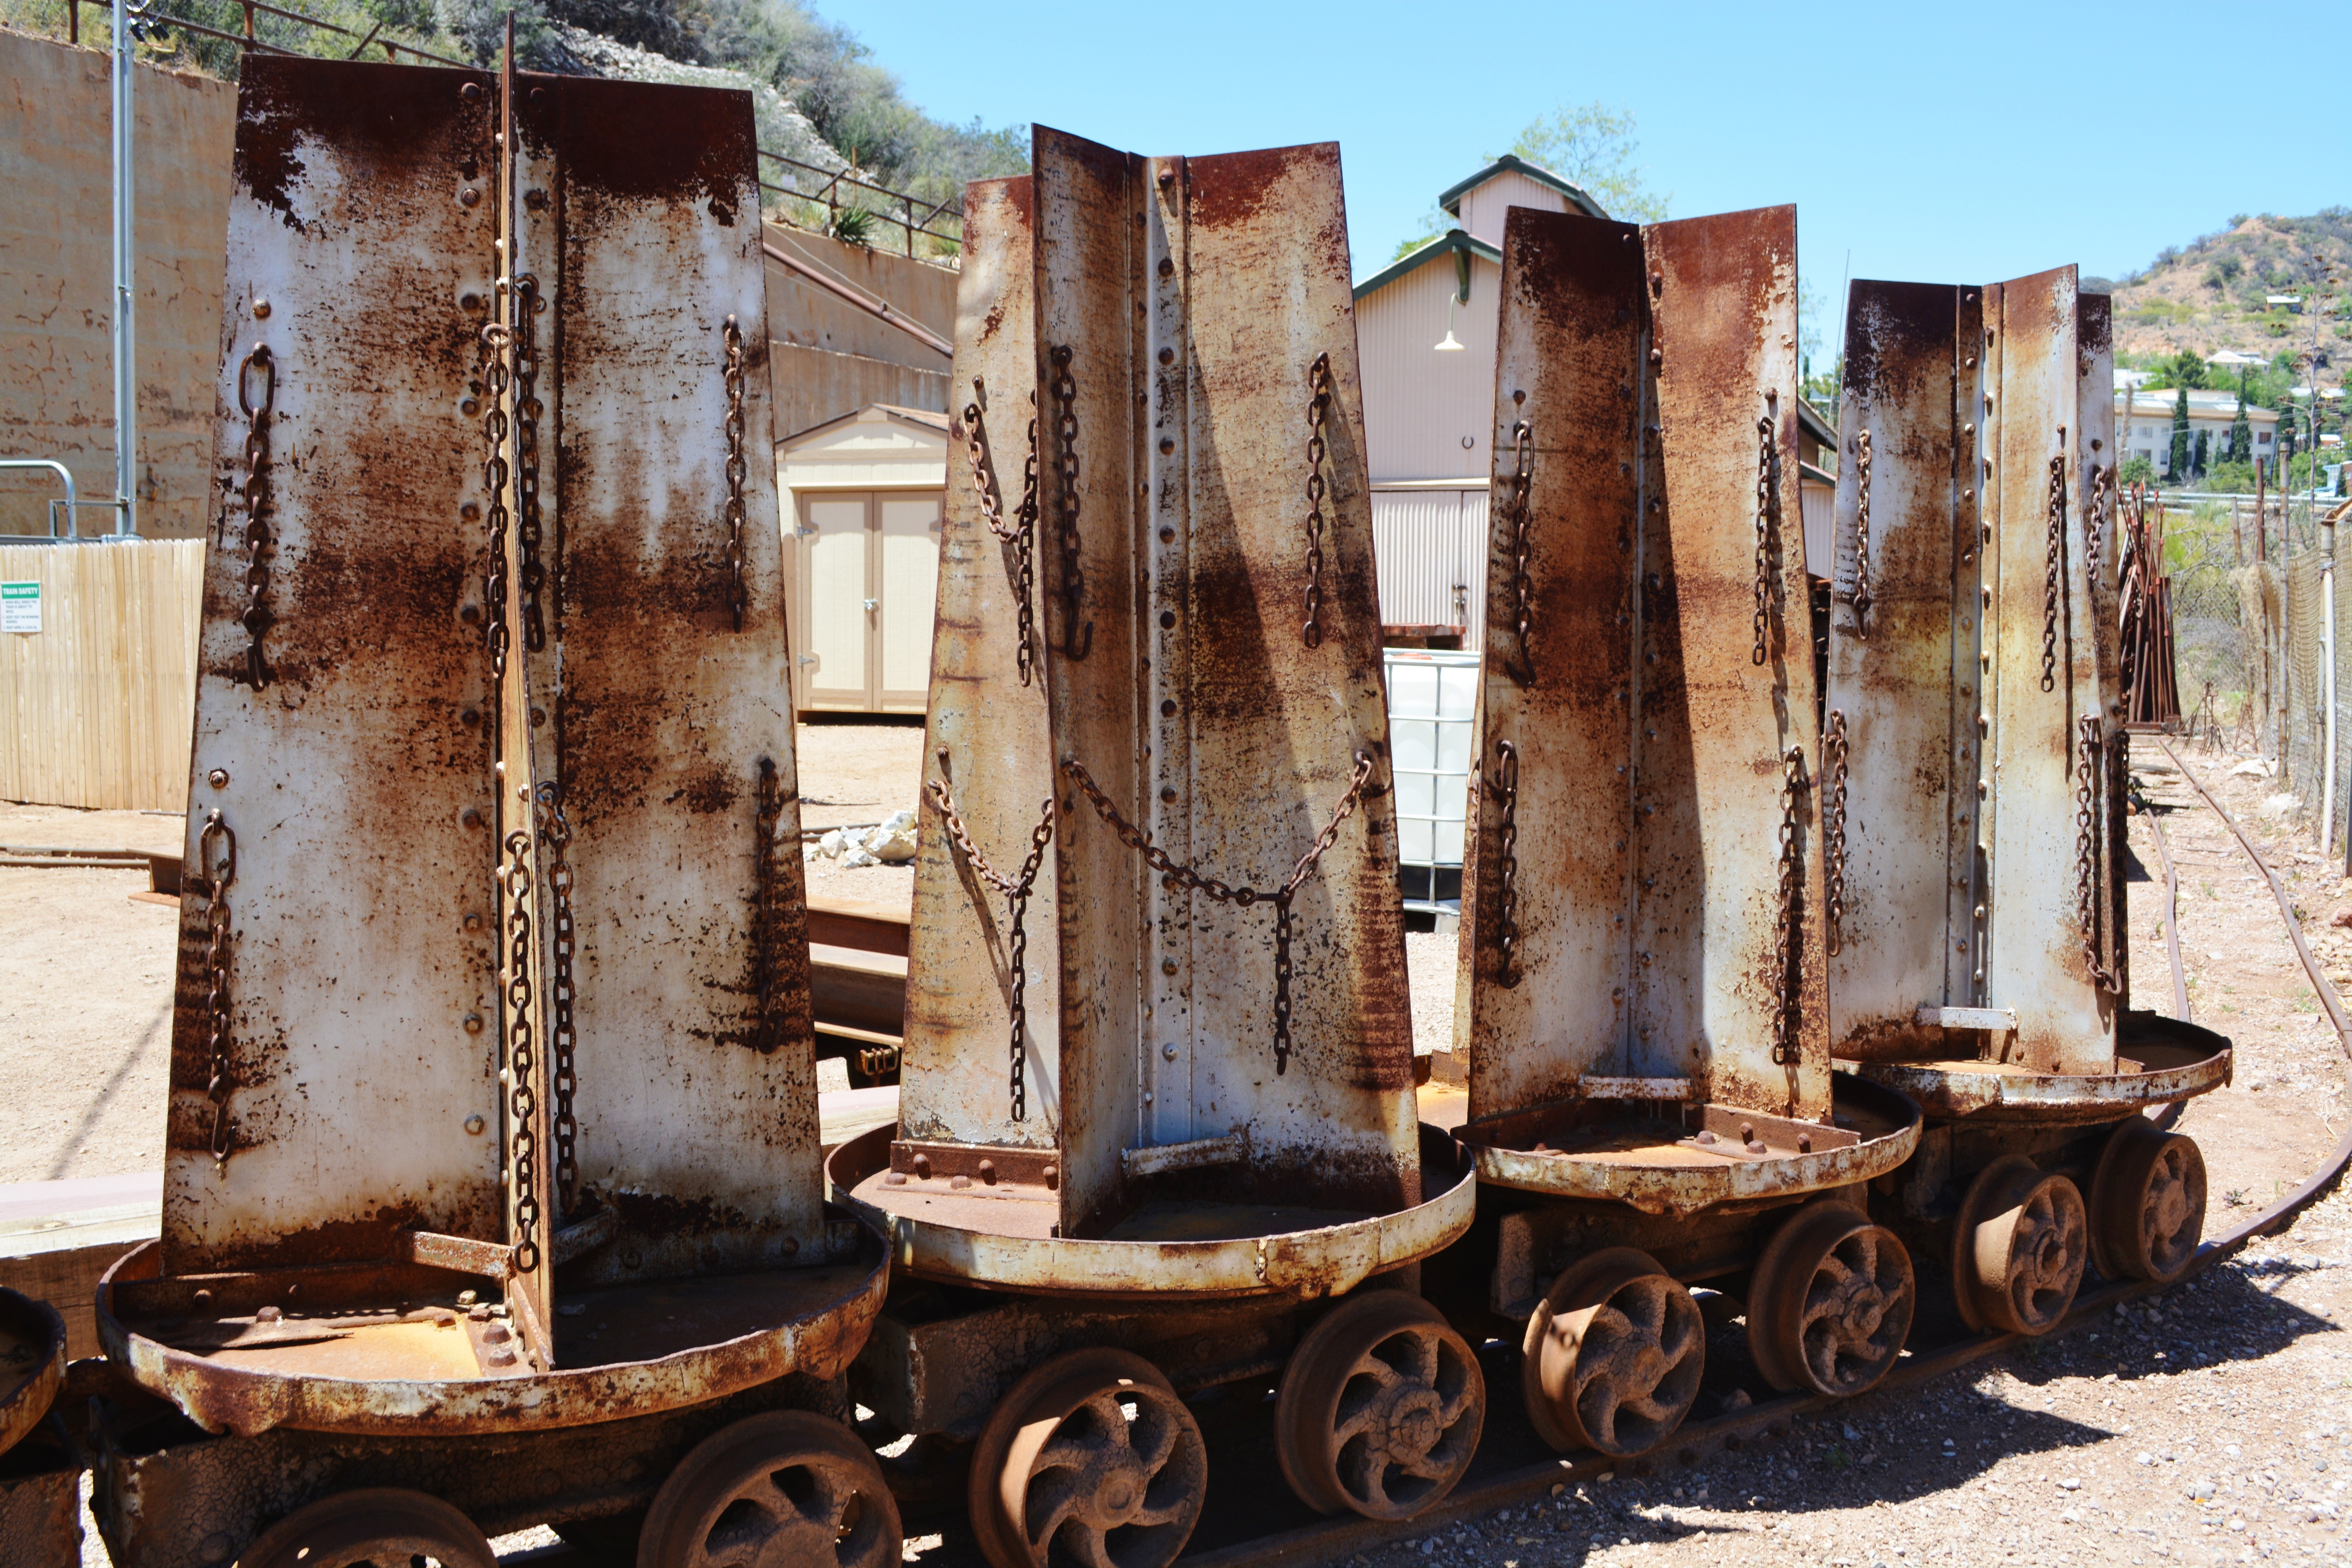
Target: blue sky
x=1934 y=143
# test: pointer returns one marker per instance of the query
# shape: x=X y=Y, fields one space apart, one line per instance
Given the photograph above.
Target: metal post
x=126 y=378
x=2327 y=679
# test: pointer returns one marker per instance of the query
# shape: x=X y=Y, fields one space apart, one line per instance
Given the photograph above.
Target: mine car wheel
x=1614 y=1353
x=786 y=1486
x=389 y=1527
x=1380 y=1408
x=1094 y=1450
x=2019 y=1249
x=1831 y=1301
x=2148 y=1204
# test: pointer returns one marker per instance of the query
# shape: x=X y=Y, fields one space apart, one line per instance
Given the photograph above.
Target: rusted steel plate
x=1196 y=298
x=678 y=1342
x=1553 y=1007
x=40 y=1512
x=1905 y=608
x=2167 y=1061
x=655 y=715
x=357 y=781
x=1640 y=806
x=1665 y=1170
x=2035 y=959
x=987 y=743
x=1196 y=1249
x=32 y=1364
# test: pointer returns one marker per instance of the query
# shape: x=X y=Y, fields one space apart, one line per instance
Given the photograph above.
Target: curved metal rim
x=2034 y=1097
x=251 y=1401
x=25 y=1405
x=1329 y=1261
x=1682 y=1190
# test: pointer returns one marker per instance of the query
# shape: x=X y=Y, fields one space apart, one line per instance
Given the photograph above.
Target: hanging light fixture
x=1452 y=344
x=1457 y=295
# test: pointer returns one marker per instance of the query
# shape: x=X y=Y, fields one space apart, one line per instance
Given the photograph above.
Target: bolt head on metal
x=217 y=778
x=1168 y=1051
x=473 y=1022
x=469 y=197
x=476 y=1125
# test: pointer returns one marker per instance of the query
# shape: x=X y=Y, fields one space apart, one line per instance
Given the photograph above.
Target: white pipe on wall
x=126 y=359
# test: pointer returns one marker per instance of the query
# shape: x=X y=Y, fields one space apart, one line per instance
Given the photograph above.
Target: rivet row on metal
x=1175 y=876
x=1319 y=408
x=1016 y=899
x=217 y=867
x=255 y=496
x=1021 y=532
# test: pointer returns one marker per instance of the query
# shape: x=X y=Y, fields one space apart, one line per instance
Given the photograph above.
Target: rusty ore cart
x=40 y=1465
x=1650 y=1099
x=492 y=1190
x=1158 y=1134
x=1974 y=770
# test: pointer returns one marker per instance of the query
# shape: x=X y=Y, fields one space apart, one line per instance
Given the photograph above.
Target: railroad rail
x=1332 y=1538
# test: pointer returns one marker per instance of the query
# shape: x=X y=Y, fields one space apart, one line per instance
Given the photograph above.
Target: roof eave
x=1452 y=241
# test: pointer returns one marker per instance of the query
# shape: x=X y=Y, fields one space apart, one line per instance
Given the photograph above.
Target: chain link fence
x=2249 y=642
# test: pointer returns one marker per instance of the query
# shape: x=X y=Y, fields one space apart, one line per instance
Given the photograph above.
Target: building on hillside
x=1426 y=327
x=2144 y=424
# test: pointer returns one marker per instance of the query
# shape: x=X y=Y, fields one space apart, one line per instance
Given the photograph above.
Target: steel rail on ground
x=1329 y=1539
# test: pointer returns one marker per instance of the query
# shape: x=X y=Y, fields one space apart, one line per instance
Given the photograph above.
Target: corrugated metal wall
x=1427 y=414
x=1430 y=548
x=1485 y=209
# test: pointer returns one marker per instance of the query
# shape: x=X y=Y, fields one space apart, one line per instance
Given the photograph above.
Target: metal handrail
x=72 y=504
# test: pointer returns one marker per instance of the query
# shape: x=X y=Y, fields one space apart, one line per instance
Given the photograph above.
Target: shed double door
x=869 y=578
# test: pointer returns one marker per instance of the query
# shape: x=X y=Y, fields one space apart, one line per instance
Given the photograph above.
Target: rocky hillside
x=2208 y=295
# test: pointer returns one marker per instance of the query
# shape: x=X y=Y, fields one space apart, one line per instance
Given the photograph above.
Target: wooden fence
x=97 y=709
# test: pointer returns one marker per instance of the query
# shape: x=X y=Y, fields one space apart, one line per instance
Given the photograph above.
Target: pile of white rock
x=891 y=843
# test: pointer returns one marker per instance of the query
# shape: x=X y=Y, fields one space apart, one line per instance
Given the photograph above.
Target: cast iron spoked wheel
x=1831 y=1301
x=1381 y=1408
x=786 y=1488
x=1614 y=1353
x=1090 y=1458
x=388 y=1527
x=2019 y=1249
x=2148 y=1204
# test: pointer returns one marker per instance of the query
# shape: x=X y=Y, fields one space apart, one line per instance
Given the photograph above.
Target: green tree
x=2202 y=460
x=1594 y=145
x=2136 y=470
x=2176 y=466
x=2241 y=434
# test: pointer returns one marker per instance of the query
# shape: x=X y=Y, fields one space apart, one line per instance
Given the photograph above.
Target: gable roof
x=924 y=420
x=1511 y=163
x=1451 y=242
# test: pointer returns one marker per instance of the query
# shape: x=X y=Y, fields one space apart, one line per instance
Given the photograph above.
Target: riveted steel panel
x=987 y=742
x=1902 y=675
x=1194 y=298
x=655 y=713
x=357 y=780
x=2036 y=960
x=1557 y=720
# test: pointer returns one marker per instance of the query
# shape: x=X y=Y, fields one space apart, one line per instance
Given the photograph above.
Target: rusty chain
x=1016 y=901
x=1786 y=958
x=560 y=1035
x=2054 y=560
x=1764 y=456
x=2090 y=757
x=1318 y=407
x=1860 y=545
x=1075 y=646
x=1507 y=868
x=1833 y=764
x=527 y=410
x=1174 y=876
x=255 y=496
x=1521 y=666
x=738 y=598
x=496 y=339
x=522 y=1057
x=1021 y=532
x=218 y=835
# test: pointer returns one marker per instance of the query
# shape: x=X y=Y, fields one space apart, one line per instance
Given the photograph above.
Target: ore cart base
x=1066 y=1363
x=40 y=1470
